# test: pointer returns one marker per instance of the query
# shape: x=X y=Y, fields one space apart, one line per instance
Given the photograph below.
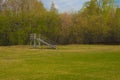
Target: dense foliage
x=95 y=23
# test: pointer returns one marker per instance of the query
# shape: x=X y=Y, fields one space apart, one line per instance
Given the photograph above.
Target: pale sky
x=65 y=5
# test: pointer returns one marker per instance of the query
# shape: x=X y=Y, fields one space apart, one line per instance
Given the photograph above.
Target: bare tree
x=1 y=4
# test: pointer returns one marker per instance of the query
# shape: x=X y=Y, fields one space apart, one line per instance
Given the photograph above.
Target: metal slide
x=52 y=46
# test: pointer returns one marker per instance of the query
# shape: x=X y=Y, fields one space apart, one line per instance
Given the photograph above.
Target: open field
x=73 y=62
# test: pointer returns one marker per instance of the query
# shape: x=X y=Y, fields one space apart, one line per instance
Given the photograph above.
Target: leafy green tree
x=52 y=23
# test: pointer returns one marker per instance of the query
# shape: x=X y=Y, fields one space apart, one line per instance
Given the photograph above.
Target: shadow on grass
x=43 y=48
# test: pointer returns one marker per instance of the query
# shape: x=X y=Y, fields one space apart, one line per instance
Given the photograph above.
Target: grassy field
x=73 y=62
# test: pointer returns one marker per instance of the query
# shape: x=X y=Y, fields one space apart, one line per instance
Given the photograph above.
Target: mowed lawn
x=72 y=62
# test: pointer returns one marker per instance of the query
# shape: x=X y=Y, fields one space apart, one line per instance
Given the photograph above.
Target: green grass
x=73 y=62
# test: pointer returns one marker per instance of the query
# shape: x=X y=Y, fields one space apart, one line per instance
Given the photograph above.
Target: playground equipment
x=34 y=40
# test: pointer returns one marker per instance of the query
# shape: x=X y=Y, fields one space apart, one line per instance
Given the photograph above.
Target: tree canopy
x=97 y=22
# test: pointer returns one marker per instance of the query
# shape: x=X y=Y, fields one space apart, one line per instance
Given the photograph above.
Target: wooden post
x=39 y=40
x=34 y=40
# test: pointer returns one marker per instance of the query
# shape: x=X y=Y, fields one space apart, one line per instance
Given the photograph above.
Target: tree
x=20 y=20
x=52 y=23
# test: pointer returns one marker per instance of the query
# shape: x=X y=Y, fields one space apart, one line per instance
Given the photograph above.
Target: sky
x=118 y=2
x=65 y=5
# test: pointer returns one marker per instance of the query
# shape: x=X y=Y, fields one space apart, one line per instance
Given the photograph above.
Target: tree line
x=98 y=22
